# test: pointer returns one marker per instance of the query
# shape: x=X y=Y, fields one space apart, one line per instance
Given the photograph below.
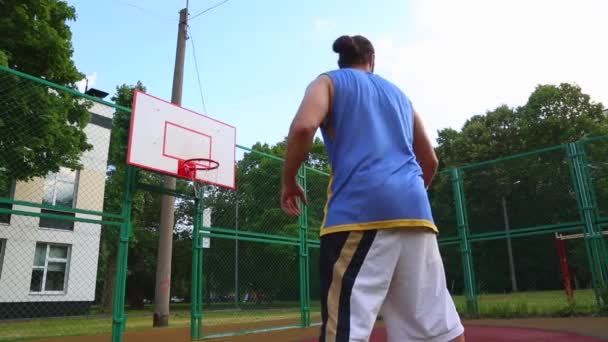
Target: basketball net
x=191 y=166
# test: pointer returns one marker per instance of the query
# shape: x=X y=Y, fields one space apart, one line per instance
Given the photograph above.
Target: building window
x=59 y=190
x=5 y=192
x=49 y=273
x=2 y=249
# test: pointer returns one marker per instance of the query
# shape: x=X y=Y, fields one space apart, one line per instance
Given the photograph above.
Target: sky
x=453 y=59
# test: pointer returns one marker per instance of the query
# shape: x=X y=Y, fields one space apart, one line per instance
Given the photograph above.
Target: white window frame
x=55 y=177
x=48 y=259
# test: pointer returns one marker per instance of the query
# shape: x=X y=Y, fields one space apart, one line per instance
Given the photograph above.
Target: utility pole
x=509 y=248
x=162 y=292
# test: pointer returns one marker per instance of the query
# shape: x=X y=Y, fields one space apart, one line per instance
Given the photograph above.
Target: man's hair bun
x=345 y=45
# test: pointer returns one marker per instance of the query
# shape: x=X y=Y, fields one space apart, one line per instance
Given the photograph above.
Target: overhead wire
x=191 y=37
x=198 y=75
x=143 y=9
x=208 y=9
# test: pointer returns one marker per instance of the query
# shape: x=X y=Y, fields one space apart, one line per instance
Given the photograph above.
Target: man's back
x=376 y=180
x=382 y=163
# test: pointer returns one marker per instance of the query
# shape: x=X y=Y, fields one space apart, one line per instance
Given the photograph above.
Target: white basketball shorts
x=396 y=272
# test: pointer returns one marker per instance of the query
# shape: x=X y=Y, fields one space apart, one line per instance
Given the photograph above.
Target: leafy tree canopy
x=37 y=40
x=41 y=129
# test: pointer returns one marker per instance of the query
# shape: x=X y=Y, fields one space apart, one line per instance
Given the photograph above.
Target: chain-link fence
x=598 y=168
x=594 y=161
x=79 y=230
x=59 y=224
x=518 y=212
x=252 y=264
x=314 y=284
x=519 y=195
x=250 y=285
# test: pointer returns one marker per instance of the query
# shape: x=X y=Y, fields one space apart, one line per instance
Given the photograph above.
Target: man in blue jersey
x=379 y=251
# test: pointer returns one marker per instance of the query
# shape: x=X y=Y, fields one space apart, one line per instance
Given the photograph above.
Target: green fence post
x=597 y=240
x=304 y=259
x=196 y=314
x=465 y=244
x=119 y=320
x=201 y=269
x=588 y=209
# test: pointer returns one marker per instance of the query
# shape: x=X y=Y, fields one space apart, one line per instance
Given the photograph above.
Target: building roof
x=96 y=92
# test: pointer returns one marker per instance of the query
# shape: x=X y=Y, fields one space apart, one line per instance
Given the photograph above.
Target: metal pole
x=195 y=312
x=585 y=209
x=303 y=251
x=509 y=247
x=119 y=319
x=465 y=244
x=167 y=205
x=236 y=253
x=563 y=261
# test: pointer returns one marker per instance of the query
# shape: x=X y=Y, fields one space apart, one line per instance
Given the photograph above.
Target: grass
x=525 y=304
x=531 y=304
x=142 y=319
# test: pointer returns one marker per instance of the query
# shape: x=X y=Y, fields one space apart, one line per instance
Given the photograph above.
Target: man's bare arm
x=425 y=153
x=312 y=111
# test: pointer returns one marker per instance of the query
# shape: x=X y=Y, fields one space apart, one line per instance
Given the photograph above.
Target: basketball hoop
x=189 y=167
x=164 y=137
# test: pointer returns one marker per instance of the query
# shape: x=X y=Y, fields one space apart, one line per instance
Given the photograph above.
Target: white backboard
x=163 y=133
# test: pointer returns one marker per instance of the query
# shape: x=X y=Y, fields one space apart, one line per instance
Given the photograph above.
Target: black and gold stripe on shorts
x=342 y=255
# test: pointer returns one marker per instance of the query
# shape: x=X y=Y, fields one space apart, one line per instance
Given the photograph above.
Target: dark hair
x=353 y=50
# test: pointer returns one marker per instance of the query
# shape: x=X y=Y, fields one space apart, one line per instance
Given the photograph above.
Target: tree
x=268 y=270
x=560 y=114
x=41 y=130
x=36 y=39
x=117 y=157
x=3 y=58
x=538 y=187
x=144 y=217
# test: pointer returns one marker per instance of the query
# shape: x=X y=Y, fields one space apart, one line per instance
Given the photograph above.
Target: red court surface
x=573 y=329
x=478 y=334
x=502 y=334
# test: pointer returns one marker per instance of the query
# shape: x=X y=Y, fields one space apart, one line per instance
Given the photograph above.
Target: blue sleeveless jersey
x=376 y=181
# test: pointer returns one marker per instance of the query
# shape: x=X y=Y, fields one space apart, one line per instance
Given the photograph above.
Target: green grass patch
x=531 y=304
x=142 y=319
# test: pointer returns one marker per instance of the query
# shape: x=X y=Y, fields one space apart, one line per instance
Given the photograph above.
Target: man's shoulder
x=336 y=72
x=390 y=85
x=386 y=81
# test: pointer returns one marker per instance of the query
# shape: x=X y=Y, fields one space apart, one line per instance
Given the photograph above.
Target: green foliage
x=560 y=114
x=3 y=58
x=269 y=269
x=37 y=40
x=121 y=123
x=538 y=188
x=553 y=115
x=117 y=157
x=604 y=299
x=40 y=129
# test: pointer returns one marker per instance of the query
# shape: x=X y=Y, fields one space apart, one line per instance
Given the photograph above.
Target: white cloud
x=473 y=55
x=82 y=84
x=324 y=26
